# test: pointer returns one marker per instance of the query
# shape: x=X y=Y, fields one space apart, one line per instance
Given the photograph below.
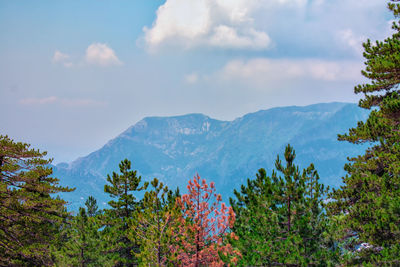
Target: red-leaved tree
x=205 y=223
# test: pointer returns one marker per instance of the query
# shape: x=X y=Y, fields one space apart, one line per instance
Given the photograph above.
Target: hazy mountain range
x=174 y=149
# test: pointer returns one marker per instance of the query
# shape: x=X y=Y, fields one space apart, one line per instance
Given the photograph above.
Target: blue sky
x=74 y=74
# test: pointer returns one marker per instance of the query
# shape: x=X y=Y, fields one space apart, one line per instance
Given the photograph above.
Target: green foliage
x=29 y=215
x=91 y=206
x=122 y=188
x=154 y=226
x=83 y=244
x=370 y=197
x=280 y=220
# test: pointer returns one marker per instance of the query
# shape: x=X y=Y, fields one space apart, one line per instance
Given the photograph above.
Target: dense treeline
x=285 y=218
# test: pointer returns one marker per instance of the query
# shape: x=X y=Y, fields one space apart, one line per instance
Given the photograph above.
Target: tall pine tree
x=29 y=213
x=369 y=200
x=205 y=225
x=280 y=219
x=122 y=188
x=155 y=226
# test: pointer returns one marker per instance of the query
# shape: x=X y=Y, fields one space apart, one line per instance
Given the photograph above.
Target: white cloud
x=261 y=24
x=59 y=56
x=188 y=19
x=225 y=36
x=215 y=23
x=262 y=71
x=62 y=58
x=102 y=55
x=350 y=40
x=38 y=101
x=66 y=102
x=294 y=2
x=191 y=78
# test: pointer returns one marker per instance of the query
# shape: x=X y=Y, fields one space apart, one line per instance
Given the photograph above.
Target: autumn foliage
x=204 y=226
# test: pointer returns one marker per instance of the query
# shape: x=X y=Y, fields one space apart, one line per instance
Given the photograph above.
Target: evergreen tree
x=83 y=245
x=29 y=214
x=91 y=206
x=205 y=223
x=155 y=226
x=369 y=200
x=280 y=220
x=122 y=188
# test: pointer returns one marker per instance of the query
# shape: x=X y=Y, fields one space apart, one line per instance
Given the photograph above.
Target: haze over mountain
x=174 y=149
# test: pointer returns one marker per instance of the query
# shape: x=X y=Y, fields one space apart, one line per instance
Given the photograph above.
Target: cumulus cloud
x=261 y=71
x=102 y=55
x=215 y=23
x=225 y=36
x=62 y=58
x=66 y=102
x=263 y=24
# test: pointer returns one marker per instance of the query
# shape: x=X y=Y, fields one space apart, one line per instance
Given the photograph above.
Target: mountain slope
x=227 y=152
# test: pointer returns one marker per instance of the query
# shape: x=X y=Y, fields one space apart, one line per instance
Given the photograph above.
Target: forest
x=280 y=217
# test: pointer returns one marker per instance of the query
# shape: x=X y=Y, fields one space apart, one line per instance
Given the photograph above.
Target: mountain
x=174 y=149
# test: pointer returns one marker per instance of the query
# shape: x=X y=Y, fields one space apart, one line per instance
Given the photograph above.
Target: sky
x=75 y=74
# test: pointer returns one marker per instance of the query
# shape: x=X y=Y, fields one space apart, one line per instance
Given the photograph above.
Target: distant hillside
x=174 y=149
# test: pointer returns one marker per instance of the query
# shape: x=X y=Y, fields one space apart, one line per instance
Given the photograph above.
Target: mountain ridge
x=175 y=148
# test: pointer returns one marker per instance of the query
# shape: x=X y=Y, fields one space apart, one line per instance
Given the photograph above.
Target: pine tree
x=29 y=213
x=369 y=201
x=204 y=225
x=83 y=244
x=280 y=220
x=91 y=206
x=155 y=226
x=122 y=188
